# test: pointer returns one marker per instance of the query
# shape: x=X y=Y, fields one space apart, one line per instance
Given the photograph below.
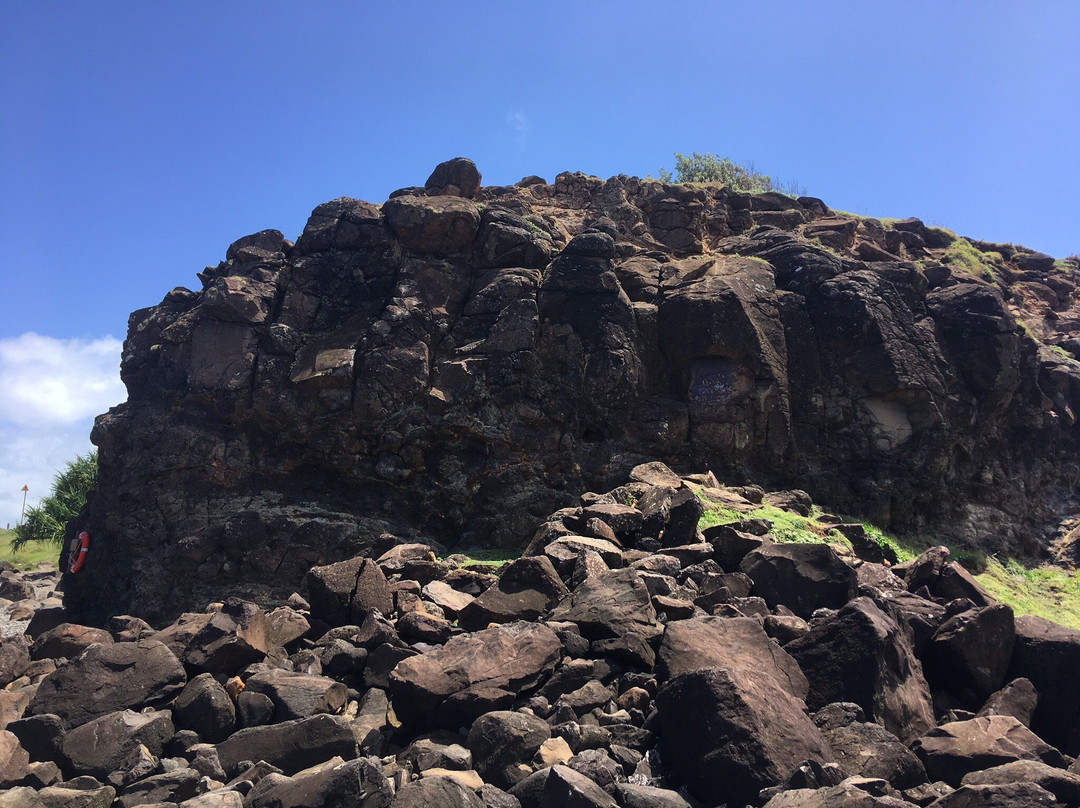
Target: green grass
x=29 y=556
x=1046 y=591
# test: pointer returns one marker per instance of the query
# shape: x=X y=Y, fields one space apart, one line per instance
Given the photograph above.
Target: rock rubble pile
x=626 y=661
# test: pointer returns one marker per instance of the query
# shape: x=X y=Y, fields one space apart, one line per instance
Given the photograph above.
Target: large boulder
x=107 y=678
x=955 y=749
x=730 y=733
x=292 y=746
x=14 y=760
x=971 y=651
x=470 y=669
x=609 y=605
x=1064 y=785
x=1049 y=656
x=503 y=743
x=438 y=226
x=100 y=746
x=436 y=791
x=869 y=750
x=860 y=655
x=342 y=594
x=206 y=708
x=358 y=783
x=801 y=577
x=740 y=642
x=235 y=636
x=299 y=695
x=525 y=590
x=14 y=657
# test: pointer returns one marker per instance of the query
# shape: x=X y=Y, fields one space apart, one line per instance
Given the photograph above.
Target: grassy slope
x=29 y=557
x=1048 y=591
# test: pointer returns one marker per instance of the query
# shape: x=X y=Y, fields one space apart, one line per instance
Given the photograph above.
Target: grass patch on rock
x=1046 y=591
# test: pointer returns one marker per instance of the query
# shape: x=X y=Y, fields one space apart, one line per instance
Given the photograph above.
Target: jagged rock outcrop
x=451 y=365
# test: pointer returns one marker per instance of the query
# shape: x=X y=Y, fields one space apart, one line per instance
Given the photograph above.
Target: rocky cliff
x=458 y=362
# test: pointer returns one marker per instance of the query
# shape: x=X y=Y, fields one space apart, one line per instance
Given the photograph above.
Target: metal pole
x=22 y=515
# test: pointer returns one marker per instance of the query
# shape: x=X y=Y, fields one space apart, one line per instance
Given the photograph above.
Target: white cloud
x=519 y=125
x=44 y=380
x=50 y=391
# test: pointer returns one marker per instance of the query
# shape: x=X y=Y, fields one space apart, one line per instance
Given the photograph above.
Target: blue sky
x=137 y=140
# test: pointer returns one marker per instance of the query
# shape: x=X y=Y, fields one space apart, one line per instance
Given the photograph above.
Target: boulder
x=1048 y=655
x=730 y=733
x=1064 y=785
x=801 y=577
x=14 y=760
x=107 y=678
x=848 y=794
x=429 y=792
x=971 y=651
x=955 y=749
x=67 y=640
x=101 y=746
x=62 y=796
x=566 y=788
x=177 y=785
x=20 y=797
x=869 y=750
x=40 y=735
x=205 y=707
x=609 y=605
x=14 y=658
x=860 y=655
x=527 y=588
x=511 y=658
x=564 y=551
x=234 y=637
x=358 y=783
x=291 y=746
x=450 y=600
x=457 y=177
x=641 y=796
x=739 y=642
x=344 y=593
x=286 y=625
x=1006 y=795
x=298 y=695
x=502 y=744
x=437 y=226
x=1018 y=698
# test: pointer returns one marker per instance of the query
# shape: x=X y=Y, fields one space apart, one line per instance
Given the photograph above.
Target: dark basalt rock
x=456 y=364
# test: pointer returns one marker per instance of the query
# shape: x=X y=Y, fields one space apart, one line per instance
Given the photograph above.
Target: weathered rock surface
x=730 y=733
x=955 y=749
x=860 y=655
x=107 y=678
x=740 y=642
x=504 y=659
x=456 y=366
x=100 y=746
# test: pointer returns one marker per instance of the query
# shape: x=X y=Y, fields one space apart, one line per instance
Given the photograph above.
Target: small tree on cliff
x=47 y=521
x=712 y=168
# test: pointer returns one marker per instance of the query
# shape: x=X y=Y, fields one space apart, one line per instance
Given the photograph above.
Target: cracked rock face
x=451 y=365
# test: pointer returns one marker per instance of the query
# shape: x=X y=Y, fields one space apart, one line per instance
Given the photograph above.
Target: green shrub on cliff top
x=711 y=168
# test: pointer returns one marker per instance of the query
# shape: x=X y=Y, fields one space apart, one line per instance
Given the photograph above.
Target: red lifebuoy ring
x=80 y=546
